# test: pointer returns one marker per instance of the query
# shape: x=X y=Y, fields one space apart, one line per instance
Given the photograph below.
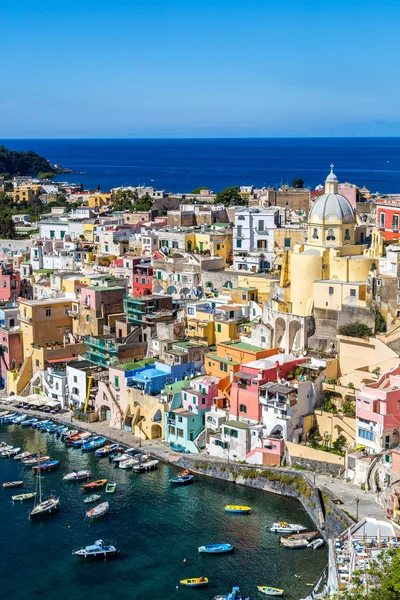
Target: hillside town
x=265 y=331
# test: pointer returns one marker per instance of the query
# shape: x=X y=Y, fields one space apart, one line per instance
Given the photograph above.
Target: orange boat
x=93 y=485
x=183 y=473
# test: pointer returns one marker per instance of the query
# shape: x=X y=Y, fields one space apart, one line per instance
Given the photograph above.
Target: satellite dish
x=304 y=352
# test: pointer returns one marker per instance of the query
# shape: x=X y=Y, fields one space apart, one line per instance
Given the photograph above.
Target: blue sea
x=155 y=526
x=180 y=165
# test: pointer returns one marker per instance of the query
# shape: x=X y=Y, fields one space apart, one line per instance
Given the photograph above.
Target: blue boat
x=28 y=423
x=93 y=444
x=234 y=595
x=216 y=548
x=49 y=465
x=18 y=420
x=107 y=450
x=182 y=479
x=50 y=428
x=39 y=424
x=177 y=448
x=44 y=425
x=8 y=418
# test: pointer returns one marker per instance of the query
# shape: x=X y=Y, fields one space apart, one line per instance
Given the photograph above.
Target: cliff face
x=23 y=163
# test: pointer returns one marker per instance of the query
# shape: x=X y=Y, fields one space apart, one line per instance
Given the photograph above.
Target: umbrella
x=53 y=403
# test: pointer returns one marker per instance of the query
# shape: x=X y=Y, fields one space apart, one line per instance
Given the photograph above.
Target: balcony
x=25 y=319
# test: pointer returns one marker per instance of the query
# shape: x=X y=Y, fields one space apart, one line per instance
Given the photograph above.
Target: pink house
x=199 y=395
x=244 y=398
x=378 y=413
x=10 y=285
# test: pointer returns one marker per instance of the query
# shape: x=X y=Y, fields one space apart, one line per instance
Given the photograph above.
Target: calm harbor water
x=180 y=165
x=154 y=525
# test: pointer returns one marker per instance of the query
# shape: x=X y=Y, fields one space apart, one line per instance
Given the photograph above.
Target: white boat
x=10 y=453
x=98 y=550
x=98 y=511
x=270 y=591
x=23 y=497
x=284 y=527
x=22 y=455
x=294 y=543
x=316 y=543
x=129 y=463
x=148 y=465
x=30 y=462
x=46 y=507
x=121 y=458
x=77 y=476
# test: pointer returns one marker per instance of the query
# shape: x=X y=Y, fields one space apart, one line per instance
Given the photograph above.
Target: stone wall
x=219 y=278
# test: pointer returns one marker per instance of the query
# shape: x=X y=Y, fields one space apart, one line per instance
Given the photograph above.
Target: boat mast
x=40 y=480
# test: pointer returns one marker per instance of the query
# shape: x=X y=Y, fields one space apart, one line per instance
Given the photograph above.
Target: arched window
x=243 y=408
x=331 y=235
x=347 y=235
x=315 y=234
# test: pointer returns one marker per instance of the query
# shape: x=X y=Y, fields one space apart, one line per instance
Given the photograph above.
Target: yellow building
x=44 y=321
x=27 y=192
x=217 y=243
x=263 y=283
x=99 y=199
x=88 y=231
x=323 y=268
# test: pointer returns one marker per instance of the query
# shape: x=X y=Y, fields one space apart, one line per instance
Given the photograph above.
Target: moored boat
x=50 y=465
x=148 y=465
x=234 y=595
x=106 y=450
x=46 y=507
x=288 y=542
x=97 y=550
x=177 y=447
x=18 y=420
x=270 y=591
x=29 y=422
x=77 y=476
x=10 y=452
x=98 y=511
x=194 y=582
x=93 y=444
x=13 y=484
x=120 y=457
x=35 y=460
x=110 y=488
x=129 y=463
x=316 y=543
x=233 y=508
x=92 y=498
x=22 y=455
x=182 y=480
x=94 y=485
x=308 y=535
x=284 y=527
x=215 y=548
x=23 y=497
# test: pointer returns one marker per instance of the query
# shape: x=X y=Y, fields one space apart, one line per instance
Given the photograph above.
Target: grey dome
x=331 y=204
x=331 y=177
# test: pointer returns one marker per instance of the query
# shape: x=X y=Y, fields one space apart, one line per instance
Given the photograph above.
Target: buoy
x=184 y=560
x=69 y=526
x=69 y=499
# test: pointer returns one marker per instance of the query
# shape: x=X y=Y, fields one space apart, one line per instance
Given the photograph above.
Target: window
x=75 y=379
x=75 y=391
x=241 y=218
x=366 y=405
x=185 y=396
x=179 y=419
x=218 y=246
x=159 y=275
x=244 y=297
x=223 y=367
x=261 y=244
x=238 y=243
x=243 y=408
x=48 y=312
x=180 y=433
x=116 y=382
x=287 y=242
x=219 y=328
x=367 y=435
x=59 y=329
x=52 y=235
x=331 y=291
x=231 y=432
x=260 y=225
x=66 y=309
x=209 y=363
x=106 y=247
x=62 y=234
x=68 y=329
x=37 y=363
x=395 y=223
x=239 y=231
x=353 y=293
x=315 y=234
x=347 y=235
x=331 y=235
x=12 y=322
x=209 y=284
x=190 y=310
x=143 y=280
x=382 y=220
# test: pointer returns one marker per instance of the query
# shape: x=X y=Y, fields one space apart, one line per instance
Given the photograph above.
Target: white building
x=253 y=238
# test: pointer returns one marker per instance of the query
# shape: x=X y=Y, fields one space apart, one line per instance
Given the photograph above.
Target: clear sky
x=199 y=68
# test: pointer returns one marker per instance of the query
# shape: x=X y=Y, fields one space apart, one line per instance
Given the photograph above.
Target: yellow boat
x=233 y=508
x=270 y=591
x=194 y=581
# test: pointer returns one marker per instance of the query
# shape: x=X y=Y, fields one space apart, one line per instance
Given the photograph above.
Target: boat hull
x=270 y=591
x=241 y=510
x=45 y=509
x=215 y=549
x=194 y=582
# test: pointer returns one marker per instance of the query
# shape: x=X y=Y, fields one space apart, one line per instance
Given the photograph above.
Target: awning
x=60 y=360
x=53 y=403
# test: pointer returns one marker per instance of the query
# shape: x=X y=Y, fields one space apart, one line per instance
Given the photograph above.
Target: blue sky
x=199 y=68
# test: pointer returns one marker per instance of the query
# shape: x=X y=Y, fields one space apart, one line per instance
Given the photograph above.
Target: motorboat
x=215 y=549
x=233 y=508
x=28 y=422
x=284 y=527
x=22 y=455
x=8 y=418
x=77 y=476
x=18 y=420
x=106 y=450
x=316 y=543
x=35 y=460
x=92 y=498
x=50 y=465
x=194 y=582
x=10 y=453
x=178 y=448
x=308 y=535
x=46 y=507
x=147 y=465
x=182 y=480
x=97 y=550
x=129 y=463
x=94 y=485
x=98 y=511
x=39 y=424
x=13 y=484
x=288 y=542
x=234 y=595
x=93 y=444
x=110 y=488
x=270 y=591
x=23 y=497
x=121 y=457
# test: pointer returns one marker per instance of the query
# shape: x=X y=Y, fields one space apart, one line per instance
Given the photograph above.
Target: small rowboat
x=98 y=550
x=233 y=508
x=22 y=455
x=93 y=444
x=13 y=484
x=194 y=582
x=92 y=498
x=287 y=542
x=106 y=450
x=94 y=485
x=23 y=497
x=177 y=447
x=270 y=591
x=284 y=527
x=29 y=462
x=148 y=465
x=77 y=476
x=50 y=465
x=215 y=548
x=98 y=511
x=182 y=480
x=110 y=488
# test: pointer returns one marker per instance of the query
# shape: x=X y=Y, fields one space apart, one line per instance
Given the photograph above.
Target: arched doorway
x=185 y=292
x=228 y=285
x=158 y=416
x=294 y=335
x=280 y=330
x=156 y=432
x=146 y=292
x=189 y=246
x=104 y=413
x=171 y=289
x=158 y=289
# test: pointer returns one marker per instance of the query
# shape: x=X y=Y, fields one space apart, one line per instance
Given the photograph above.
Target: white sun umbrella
x=53 y=403
x=36 y=400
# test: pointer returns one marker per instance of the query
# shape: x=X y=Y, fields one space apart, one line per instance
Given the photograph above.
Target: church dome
x=332 y=205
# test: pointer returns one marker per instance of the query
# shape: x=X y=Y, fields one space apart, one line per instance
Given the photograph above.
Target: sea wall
x=314 y=460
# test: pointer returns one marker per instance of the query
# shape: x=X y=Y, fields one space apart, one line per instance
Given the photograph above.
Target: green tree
x=98 y=187
x=230 y=196
x=382 y=578
x=145 y=202
x=349 y=409
x=357 y=329
x=340 y=443
x=198 y=190
x=23 y=163
x=124 y=199
x=297 y=183
x=46 y=175
x=7 y=225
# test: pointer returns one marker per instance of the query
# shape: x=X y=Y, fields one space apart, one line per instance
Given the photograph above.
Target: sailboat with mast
x=44 y=507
